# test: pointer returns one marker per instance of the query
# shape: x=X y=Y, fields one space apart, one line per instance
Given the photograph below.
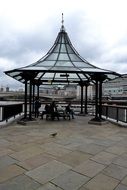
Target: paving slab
x=102 y=182
x=115 y=171
x=123 y=142
x=121 y=187
x=116 y=149
x=89 y=168
x=36 y=161
x=121 y=160
x=4 y=142
x=10 y=172
x=55 y=149
x=47 y=172
x=22 y=138
x=74 y=158
x=21 y=182
x=6 y=161
x=21 y=146
x=116 y=137
x=49 y=186
x=105 y=158
x=5 y=151
x=124 y=181
x=70 y=180
x=103 y=142
x=73 y=142
x=91 y=148
x=27 y=153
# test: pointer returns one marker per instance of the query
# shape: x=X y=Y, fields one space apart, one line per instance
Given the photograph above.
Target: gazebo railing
x=117 y=113
x=9 y=111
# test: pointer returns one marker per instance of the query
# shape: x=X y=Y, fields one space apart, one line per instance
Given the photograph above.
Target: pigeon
x=53 y=134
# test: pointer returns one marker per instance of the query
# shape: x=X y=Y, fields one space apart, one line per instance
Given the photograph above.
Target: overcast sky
x=28 y=29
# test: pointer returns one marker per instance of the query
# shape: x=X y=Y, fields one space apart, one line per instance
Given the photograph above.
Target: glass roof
x=62 y=63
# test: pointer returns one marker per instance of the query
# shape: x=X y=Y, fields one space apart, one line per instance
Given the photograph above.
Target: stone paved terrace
x=80 y=157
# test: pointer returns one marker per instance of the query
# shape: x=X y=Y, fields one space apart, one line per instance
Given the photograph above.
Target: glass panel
x=48 y=75
x=74 y=57
x=63 y=56
x=69 y=49
x=63 y=39
x=63 y=48
x=82 y=64
x=93 y=70
x=56 y=49
x=46 y=63
x=18 y=77
x=52 y=56
x=64 y=63
x=65 y=69
x=73 y=76
x=82 y=76
x=36 y=68
x=14 y=73
x=39 y=75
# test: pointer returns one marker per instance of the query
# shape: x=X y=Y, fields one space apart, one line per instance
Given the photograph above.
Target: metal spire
x=62 y=27
x=62 y=19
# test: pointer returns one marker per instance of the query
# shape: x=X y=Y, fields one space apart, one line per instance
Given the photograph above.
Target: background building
x=116 y=89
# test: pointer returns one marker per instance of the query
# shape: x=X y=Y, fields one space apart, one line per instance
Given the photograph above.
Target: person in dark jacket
x=69 y=110
x=37 y=105
x=53 y=111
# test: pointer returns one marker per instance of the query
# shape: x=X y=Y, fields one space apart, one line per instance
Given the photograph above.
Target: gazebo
x=62 y=65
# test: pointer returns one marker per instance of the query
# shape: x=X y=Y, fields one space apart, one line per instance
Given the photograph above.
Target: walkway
x=80 y=157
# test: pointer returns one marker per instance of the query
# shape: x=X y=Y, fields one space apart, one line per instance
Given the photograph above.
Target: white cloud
x=6 y=64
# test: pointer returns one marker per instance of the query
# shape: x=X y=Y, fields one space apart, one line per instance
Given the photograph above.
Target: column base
x=98 y=121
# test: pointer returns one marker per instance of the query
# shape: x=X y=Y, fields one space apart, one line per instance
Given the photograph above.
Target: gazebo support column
x=86 y=88
x=30 y=100
x=38 y=91
x=98 y=100
x=82 y=84
x=33 y=98
x=81 y=99
x=25 y=102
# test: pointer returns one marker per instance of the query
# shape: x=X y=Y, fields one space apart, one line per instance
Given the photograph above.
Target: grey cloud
x=18 y=46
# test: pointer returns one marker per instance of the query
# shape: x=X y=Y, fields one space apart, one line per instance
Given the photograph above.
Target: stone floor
x=81 y=156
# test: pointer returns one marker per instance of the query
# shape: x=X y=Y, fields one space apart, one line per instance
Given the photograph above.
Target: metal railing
x=9 y=111
x=117 y=113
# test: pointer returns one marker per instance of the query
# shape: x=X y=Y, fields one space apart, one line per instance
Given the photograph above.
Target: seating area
x=60 y=114
x=53 y=111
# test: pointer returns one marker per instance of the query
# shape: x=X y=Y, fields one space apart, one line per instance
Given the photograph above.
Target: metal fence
x=117 y=113
x=9 y=111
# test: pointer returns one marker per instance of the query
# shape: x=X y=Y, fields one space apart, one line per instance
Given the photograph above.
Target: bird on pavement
x=53 y=134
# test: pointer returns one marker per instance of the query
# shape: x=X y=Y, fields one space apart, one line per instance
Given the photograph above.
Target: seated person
x=53 y=111
x=46 y=111
x=69 y=110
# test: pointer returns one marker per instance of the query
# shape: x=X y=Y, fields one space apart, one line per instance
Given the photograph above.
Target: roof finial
x=62 y=19
x=62 y=27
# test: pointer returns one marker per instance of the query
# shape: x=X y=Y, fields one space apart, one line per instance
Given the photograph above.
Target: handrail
x=10 y=110
x=117 y=113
